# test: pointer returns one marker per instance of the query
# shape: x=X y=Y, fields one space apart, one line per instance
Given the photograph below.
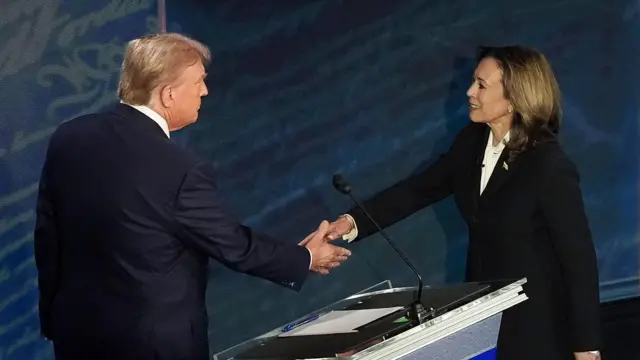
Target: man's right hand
x=324 y=255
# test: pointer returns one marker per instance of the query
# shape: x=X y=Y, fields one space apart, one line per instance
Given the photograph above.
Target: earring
x=510 y=109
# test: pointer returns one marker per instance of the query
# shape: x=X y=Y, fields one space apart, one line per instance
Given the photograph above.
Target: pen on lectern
x=300 y=323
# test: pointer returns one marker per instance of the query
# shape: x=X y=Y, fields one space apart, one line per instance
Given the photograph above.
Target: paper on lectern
x=340 y=321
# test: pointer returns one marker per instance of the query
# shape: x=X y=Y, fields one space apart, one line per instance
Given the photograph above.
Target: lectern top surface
x=441 y=299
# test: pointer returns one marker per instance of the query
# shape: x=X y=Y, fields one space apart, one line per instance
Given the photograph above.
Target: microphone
x=417 y=312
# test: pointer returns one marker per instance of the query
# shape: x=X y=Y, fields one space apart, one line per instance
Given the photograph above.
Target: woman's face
x=486 y=94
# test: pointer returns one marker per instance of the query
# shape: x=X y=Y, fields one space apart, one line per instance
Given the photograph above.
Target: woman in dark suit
x=519 y=194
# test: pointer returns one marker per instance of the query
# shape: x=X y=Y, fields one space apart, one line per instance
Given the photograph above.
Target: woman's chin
x=476 y=119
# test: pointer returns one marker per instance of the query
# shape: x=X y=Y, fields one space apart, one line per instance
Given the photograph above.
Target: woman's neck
x=499 y=129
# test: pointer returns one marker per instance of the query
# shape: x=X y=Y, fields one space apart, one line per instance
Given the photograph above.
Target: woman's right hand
x=341 y=226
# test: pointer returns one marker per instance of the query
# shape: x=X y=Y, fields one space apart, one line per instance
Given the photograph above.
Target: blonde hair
x=533 y=91
x=155 y=60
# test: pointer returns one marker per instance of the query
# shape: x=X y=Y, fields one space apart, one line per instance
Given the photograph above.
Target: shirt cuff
x=310 y=257
x=353 y=234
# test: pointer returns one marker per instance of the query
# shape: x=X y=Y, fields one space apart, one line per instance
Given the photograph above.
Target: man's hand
x=324 y=255
x=586 y=355
x=338 y=228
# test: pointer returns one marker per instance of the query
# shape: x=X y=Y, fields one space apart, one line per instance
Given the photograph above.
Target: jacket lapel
x=501 y=173
x=476 y=174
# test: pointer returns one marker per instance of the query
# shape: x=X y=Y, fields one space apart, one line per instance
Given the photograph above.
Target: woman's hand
x=587 y=355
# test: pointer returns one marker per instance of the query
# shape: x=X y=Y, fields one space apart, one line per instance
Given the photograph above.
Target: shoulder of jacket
x=550 y=157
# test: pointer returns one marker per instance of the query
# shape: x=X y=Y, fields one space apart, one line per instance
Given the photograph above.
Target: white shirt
x=490 y=160
x=165 y=127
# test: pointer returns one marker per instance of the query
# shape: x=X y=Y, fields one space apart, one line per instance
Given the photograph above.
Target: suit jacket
x=126 y=223
x=528 y=222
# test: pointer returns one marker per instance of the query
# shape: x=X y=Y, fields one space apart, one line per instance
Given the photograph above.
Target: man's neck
x=157 y=110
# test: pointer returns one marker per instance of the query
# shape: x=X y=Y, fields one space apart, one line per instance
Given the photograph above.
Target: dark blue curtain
x=302 y=90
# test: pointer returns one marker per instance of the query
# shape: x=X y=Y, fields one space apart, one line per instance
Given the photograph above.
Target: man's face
x=185 y=95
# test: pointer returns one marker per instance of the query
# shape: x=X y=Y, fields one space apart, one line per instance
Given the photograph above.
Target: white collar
x=153 y=115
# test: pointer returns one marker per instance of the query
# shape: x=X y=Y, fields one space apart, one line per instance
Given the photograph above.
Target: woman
x=519 y=194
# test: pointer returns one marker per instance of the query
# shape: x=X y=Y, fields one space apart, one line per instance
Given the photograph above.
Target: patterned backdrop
x=302 y=90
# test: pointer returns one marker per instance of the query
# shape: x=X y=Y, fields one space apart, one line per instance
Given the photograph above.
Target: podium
x=463 y=323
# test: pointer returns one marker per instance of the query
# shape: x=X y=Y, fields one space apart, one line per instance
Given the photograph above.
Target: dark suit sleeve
x=563 y=210
x=205 y=225
x=46 y=252
x=414 y=193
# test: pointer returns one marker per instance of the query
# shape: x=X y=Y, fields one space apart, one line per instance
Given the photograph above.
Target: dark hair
x=533 y=91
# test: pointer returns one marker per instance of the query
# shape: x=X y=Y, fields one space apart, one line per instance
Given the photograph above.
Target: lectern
x=462 y=323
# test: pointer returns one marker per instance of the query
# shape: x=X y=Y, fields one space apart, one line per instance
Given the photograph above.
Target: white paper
x=340 y=322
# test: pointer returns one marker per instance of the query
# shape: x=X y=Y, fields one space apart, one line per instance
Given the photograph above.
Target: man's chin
x=183 y=125
x=192 y=120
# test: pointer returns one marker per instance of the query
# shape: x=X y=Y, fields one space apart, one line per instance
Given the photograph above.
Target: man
x=127 y=221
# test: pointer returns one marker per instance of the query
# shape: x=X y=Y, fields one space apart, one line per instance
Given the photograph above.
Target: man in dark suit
x=126 y=221
x=519 y=194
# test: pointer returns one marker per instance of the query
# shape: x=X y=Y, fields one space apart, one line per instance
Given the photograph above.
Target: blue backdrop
x=302 y=90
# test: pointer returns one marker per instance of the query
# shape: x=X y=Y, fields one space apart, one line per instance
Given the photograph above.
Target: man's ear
x=166 y=96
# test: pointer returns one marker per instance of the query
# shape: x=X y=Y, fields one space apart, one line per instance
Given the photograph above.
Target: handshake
x=325 y=256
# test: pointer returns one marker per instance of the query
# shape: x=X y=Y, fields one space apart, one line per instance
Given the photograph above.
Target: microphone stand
x=417 y=314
